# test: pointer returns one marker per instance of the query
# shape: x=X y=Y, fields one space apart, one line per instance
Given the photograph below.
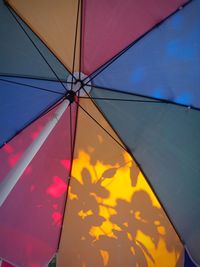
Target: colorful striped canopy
x=99 y=133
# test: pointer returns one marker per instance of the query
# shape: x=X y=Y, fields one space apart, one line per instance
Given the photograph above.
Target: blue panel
x=19 y=56
x=188 y=262
x=20 y=105
x=165 y=64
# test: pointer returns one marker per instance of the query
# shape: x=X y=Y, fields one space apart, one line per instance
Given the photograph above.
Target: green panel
x=52 y=263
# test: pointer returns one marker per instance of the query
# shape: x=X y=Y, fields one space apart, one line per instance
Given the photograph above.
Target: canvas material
x=55 y=22
x=19 y=56
x=112 y=217
x=31 y=216
x=164 y=64
x=164 y=139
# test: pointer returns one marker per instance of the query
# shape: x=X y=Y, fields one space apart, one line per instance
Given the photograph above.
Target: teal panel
x=52 y=263
x=165 y=140
x=18 y=55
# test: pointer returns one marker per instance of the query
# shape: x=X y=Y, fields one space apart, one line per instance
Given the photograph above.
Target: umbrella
x=99 y=133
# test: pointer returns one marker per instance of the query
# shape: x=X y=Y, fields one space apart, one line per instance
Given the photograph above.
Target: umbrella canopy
x=100 y=133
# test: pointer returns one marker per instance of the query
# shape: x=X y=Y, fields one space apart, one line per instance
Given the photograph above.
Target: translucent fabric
x=55 y=22
x=165 y=64
x=23 y=100
x=164 y=139
x=112 y=216
x=110 y=26
x=5 y=264
x=19 y=57
x=133 y=199
x=31 y=216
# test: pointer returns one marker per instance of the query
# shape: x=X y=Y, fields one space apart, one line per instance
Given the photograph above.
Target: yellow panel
x=54 y=21
x=112 y=216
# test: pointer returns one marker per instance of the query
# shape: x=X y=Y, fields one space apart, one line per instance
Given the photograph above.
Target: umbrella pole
x=13 y=176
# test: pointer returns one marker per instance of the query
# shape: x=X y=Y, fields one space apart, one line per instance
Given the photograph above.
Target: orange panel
x=54 y=22
x=112 y=216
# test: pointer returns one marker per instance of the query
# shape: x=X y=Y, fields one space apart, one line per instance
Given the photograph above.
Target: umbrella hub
x=78 y=85
x=71 y=96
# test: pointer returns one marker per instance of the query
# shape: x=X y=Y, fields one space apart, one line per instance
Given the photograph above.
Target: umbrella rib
x=118 y=99
x=81 y=36
x=32 y=78
x=159 y=101
x=8 y=75
x=101 y=127
x=71 y=134
x=69 y=177
x=32 y=86
x=75 y=42
x=115 y=57
x=33 y=43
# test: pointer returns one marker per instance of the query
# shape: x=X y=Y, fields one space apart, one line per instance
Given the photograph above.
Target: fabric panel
x=21 y=104
x=112 y=217
x=164 y=64
x=53 y=262
x=164 y=139
x=109 y=26
x=19 y=56
x=55 y=22
x=31 y=216
x=6 y=264
x=188 y=261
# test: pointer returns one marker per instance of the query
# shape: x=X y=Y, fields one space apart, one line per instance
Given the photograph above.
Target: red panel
x=30 y=219
x=109 y=26
x=6 y=264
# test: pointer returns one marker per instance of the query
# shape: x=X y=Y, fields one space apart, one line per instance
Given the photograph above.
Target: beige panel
x=112 y=217
x=55 y=23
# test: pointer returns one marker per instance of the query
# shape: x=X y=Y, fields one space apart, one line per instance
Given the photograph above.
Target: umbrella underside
x=116 y=181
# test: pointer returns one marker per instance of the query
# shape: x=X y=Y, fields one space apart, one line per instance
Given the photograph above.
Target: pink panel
x=30 y=219
x=109 y=26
